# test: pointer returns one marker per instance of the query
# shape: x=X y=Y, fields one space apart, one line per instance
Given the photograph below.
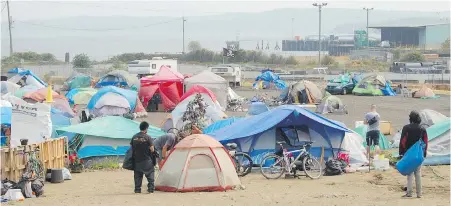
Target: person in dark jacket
x=411 y=134
x=143 y=150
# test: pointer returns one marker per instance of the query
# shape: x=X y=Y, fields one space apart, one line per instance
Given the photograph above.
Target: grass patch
x=106 y=163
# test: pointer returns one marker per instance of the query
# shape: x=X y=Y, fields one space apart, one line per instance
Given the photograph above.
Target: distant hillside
x=118 y=34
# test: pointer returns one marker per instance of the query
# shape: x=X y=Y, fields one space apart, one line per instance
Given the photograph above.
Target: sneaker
x=419 y=196
x=150 y=191
x=407 y=195
x=137 y=191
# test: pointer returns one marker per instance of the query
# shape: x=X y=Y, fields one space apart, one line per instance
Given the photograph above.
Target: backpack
x=372 y=120
x=334 y=167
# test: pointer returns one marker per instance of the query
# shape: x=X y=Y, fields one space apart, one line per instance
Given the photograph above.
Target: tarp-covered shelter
x=221 y=124
x=197 y=163
x=330 y=104
x=268 y=80
x=41 y=94
x=430 y=117
x=26 y=77
x=211 y=81
x=8 y=87
x=425 y=93
x=302 y=92
x=80 y=95
x=119 y=78
x=256 y=108
x=77 y=80
x=167 y=82
x=110 y=101
x=258 y=134
x=373 y=85
x=106 y=136
x=384 y=144
x=26 y=89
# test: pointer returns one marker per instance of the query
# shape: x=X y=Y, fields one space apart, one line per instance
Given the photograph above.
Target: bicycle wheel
x=243 y=164
x=312 y=167
x=272 y=167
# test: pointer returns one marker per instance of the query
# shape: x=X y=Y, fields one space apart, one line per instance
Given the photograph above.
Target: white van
x=230 y=72
x=149 y=67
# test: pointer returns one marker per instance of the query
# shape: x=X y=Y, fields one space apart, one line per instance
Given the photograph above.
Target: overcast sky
x=35 y=10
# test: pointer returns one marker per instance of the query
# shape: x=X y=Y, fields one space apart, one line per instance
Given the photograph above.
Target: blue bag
x=412 y=159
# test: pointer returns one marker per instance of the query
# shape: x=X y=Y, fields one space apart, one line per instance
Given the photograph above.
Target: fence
x=52 y=154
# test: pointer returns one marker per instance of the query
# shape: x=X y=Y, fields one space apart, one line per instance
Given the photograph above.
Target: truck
x=231 y=72
x=148 y=67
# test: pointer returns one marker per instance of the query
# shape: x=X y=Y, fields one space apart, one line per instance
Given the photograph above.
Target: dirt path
x=375 y=188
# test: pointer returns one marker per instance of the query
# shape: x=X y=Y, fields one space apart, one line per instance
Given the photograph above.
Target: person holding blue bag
x=412 y=151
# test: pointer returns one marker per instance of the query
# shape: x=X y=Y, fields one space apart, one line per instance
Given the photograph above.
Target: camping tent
x=197 y=163
x=269 y=79
x=80 y=95
x=232 y=95
x=220 y=124
x=256 y=108
x=304 y=92
x=110 y=100
x=8 y=87
x=119 y=78
x=330 y=104
x=77 y=81
x=373 y=85
x=26 y=77
x=430 y=117
x=425 y=93
x=213 y=111
x=211 y=81
x=258 y=134
x=384 y=144
x=107 y=135
x=439 y=143
x=167 y=82
x=41 y=94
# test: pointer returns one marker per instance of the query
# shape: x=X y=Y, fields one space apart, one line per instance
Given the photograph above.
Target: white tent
x=111 y=104
x=218 y=85
x=232 y=95
x=353 y=144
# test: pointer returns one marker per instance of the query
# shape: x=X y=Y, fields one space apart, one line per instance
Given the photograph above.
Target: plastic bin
x=381 y=164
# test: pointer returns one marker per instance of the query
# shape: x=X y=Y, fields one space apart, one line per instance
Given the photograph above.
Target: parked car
x=340 y=88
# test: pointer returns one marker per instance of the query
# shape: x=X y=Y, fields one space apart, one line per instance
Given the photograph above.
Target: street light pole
x=183 y=19
x=320 y=6
x=367 y=34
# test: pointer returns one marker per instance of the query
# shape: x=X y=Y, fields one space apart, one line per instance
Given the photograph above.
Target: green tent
x=384 y=144
x=367 y=89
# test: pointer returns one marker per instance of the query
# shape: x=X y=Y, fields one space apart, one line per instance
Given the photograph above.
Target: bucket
x=381 y=156
x=23 y=142
x=14 y=195
x=56 y=176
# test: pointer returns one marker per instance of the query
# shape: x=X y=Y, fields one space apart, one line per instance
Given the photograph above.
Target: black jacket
x=410 y=134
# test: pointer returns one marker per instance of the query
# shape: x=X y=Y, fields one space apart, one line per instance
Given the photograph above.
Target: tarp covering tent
x=59 y=119
x=330 y=104
x=77 y=81
x=201 y=90
x=346 y=78
x=80 y=95
x=63 y=106
x=5 y=112
x=167 y=82
x=384 y=144
x=439 y=143
x=256 y=108
x=26 y=77
x=197 y=163
x=267 y=79
x=211 y=81
x=373 y=85
x=107 y=136
x=8 y=87
x=430 y=117
x=258 y=134
x=119 y=78
x=425 y=93
x=303 y=92
x=213 y=111
x=110 y=100
x=232 y=95
x=40 y=95
x=220 y=124
x=26 y=89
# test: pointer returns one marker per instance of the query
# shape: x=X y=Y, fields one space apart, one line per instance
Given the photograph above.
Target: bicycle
x=282 y=161
x=243 y=162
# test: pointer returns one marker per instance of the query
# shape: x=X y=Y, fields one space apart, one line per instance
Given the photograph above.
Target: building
x=427 y=35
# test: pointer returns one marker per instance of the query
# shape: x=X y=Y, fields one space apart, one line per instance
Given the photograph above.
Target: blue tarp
x=256 y=108
x=6 y=113
x=15 y=70
x=388 y=91
x=220 y=124
x=270 y=77
x=130 y=95
x=22 y=72
x=59 y=119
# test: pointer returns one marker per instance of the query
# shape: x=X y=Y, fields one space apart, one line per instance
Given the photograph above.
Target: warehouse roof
x=412 y=23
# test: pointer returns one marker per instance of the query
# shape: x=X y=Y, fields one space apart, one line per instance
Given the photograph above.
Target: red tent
x=167 y=82
x=198 y=89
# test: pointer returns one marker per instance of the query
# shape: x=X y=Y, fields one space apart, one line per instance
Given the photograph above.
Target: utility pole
x=367 y=35
x=183 y=25
x=320 y=6
x=10 y=34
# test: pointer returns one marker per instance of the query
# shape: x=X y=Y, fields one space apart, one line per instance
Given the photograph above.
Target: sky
x=37 y=10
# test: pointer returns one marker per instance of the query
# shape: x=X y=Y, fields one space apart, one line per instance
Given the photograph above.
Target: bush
x=327 y=60
x=81 y=61
x=413 y=57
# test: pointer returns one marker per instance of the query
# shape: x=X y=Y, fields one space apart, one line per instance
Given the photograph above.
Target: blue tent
x=6 y=112
x=258 y=134
x=130 y=95
x=59 y=119
x=270 y=77
x=221 y=124
x=256 y=108
x=19 y=73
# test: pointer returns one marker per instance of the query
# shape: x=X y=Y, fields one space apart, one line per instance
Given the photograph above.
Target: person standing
x=411 y=134
x=143 y=148
x=372 y=119
x=163 y=145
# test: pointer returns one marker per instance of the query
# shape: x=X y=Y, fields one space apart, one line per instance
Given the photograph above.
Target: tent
x=373 y=85
x=425 y=93
x=106 y=136
x=232 y=95
x=8 y=87
x=221 y=124
x=430 y=117
x=331 y=104
x=211 y=81
x=26 y=77
x=59 y=119
x=80 y=95
x=258 y=134
x=118 y=78
x=197 y=163
x=26 y=89
x=77 y=81
x=303 y=92
x=269 y=79
x=110 y=100
x=167 y=82
x=63 y=106
x=439 y=143
x=199 y=89
x=256 y=108
x=5 y=112
x=41 y=94
x=384 y=144
x=213 y=111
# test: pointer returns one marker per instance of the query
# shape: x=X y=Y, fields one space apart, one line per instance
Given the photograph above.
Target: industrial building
x=428 y=36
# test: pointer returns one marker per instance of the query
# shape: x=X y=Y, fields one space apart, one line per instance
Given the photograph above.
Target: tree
x=291 y=60
x=81 y=61
x=445 y=46
x=396 y=54
x=327 y=60
x=413 y=57
x=48 y=57
x=194 y=114
x=194 y=46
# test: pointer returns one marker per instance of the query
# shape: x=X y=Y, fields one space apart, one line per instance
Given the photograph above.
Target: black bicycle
x=243 y=162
